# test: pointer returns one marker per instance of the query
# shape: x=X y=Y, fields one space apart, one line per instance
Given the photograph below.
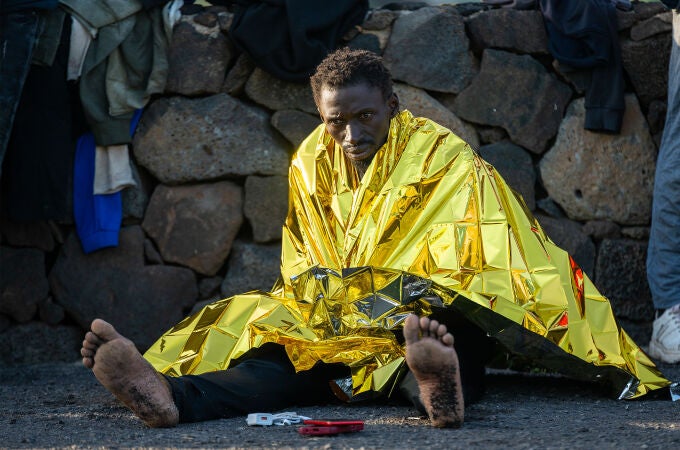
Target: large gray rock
x=23 y=282
x=646 y=63
x=514 y=164
x=209 y=287
x=266 y=205
x=656 y=116
x=491 y=135
x=366 y=41
x=51 y=313
x=294 y=125
x=251 y=266
x=27 y=234
x=420 y=103
x=661 y=23
x=508 y=29
x=639 y=233
x=136 y=198
x=198 y=58
x=517 y=93
x=428 y=48
x=620 y=274
x=641 y=11
x=115 y=285
x=552 y=209
x=278 y=94
x=195 y=225
x=379 y=19
x=235 y=82
x=596 y=176
x=569 y=236
x=151 y=254
x=37 y=342
x=379 y=24
x=181 y=140
x=601 y=229
x=579 y=79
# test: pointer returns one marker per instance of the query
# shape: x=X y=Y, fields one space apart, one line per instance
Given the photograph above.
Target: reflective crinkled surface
x=429 y=216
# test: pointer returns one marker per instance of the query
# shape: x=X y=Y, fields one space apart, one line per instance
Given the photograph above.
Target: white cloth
x=80 y=42
x=172 y=15
x=112 y=171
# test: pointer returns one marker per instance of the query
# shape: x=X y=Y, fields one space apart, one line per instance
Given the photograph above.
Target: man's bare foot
x=432 y=359
x=122 y=370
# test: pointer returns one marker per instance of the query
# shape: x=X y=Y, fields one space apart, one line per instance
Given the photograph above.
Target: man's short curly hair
x=347 y=67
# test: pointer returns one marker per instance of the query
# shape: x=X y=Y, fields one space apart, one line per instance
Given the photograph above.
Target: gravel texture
x=62 y=406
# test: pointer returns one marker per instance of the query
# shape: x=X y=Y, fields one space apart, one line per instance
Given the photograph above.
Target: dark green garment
x=124 y=65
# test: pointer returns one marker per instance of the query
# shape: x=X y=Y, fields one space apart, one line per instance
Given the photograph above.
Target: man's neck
x=361 y=166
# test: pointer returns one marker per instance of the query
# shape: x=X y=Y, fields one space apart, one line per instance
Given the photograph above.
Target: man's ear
x=393 y=104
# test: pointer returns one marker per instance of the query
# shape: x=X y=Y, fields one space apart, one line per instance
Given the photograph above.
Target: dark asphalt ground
x=62 y=406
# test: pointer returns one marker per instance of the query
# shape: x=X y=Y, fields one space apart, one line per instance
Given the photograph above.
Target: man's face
x=358 y=118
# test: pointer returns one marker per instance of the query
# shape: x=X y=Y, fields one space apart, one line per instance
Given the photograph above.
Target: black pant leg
x=266 y=382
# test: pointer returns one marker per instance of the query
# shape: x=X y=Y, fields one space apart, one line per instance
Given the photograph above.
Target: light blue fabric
x=663 y=256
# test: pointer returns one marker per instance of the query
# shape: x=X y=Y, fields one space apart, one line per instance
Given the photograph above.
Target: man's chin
x=359 y=157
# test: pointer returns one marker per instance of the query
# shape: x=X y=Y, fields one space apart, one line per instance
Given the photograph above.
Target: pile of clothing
x=74 y=75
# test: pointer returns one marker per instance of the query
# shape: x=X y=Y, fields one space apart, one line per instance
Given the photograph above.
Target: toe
x=441 y=330
x=86 y=353
x=88 y=362
x=424 y=326
x=434 y=326
x=104 y=330
x=91 y=341
x=447 y=340
x=411 y=329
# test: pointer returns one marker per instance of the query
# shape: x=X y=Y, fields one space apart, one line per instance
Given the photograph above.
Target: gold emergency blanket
x=428 y=217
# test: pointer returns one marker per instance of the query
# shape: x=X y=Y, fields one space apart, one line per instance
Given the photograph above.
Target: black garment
x=8 y=6
x=18 y=33
x=289 y=38
x=267 y=381
x=584 y=35
x=38 y=166
x=671 y=3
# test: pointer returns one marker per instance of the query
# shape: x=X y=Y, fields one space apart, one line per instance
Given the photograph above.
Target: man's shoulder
x=308 y=148
x=425 y=126
x=310 y=142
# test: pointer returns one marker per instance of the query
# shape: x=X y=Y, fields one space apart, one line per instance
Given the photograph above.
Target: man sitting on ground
x=392 y=219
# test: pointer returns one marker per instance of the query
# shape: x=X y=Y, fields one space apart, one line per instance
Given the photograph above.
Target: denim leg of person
x=18 y=33
x=663 y=257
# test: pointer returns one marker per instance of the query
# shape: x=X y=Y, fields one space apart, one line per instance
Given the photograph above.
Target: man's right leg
x=263 y=383
x=121 y=369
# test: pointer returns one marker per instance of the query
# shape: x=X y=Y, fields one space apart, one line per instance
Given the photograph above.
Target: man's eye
x=366 y=115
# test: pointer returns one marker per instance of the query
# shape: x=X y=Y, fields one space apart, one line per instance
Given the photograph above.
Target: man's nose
x=352 y=133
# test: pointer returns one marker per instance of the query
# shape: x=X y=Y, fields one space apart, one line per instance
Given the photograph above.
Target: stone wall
x=212 y=153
